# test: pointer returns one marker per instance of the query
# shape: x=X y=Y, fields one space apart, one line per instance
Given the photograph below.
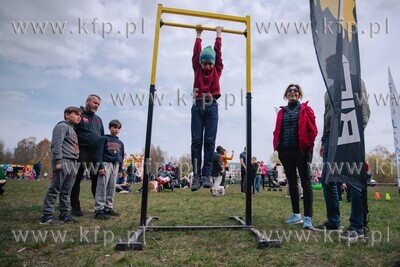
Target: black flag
x=334 y=29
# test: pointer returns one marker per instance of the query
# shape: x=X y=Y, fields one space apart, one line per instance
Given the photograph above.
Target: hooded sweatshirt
x=64 y=143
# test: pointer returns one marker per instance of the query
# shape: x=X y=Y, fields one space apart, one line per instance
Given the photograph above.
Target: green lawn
x=91 y=242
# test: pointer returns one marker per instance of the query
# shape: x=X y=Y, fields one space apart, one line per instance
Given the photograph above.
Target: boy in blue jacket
x=110 y=155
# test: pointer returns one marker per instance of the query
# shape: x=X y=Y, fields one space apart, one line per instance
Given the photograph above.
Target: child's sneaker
x=206 y=182
x=67 y=218
x=112 y=212
x=327 y=228
x=100 y=215
x=351 y=235
x=195 y=184
x=307 y=224
x=77 y=212
x=49 y=220
x=294 y=219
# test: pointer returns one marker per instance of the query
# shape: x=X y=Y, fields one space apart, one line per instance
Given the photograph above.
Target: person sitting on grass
x=110 y=154
x=65 y=149
x=122 y=186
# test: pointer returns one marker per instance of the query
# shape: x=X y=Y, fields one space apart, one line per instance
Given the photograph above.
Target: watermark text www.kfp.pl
x=82 y=27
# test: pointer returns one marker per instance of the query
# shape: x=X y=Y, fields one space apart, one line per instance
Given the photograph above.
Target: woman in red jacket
x=294 y=137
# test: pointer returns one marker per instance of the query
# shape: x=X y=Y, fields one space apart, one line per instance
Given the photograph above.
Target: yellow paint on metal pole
x=155 y=48
x=248 y=55
x=188 y=26
x=192 y=13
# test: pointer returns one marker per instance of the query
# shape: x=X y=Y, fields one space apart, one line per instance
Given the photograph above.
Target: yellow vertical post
x=147 y=161
x=155 y=48
x=248 y=55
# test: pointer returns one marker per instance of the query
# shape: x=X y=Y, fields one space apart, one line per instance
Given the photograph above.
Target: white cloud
x=9 y=97
x=112 y=73
x=69 y=73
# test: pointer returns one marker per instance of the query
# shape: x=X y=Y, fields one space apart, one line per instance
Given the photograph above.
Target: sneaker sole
x=47 y=223
x=69 y=222
x=327 y=230
x=290 y=223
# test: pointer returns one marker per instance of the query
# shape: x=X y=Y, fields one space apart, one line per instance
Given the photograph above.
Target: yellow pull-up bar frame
x=246 y=33
x=159 y=23
x=133 y=242
x=192 y=13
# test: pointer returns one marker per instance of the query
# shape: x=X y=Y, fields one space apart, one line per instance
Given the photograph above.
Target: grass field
x=90 y=242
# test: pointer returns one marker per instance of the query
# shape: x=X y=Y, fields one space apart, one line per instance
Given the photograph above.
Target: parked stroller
x=273 y=183
x=165 y=179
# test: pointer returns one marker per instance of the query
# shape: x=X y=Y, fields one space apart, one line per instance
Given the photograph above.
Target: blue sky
x=41 y=74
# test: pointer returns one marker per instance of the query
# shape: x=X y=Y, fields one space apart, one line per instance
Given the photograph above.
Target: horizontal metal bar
x=192 y=13
x=200 y=227
x=133 y=243
x=263 y=240
x=188 y=26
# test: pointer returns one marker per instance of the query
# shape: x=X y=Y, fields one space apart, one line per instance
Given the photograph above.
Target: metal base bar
x=134 y=244
x=195 y=227
x=263 y=240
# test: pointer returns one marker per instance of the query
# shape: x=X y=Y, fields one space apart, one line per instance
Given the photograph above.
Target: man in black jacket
x=89 y=131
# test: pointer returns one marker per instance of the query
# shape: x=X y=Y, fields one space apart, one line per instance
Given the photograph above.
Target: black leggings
x=293 y=160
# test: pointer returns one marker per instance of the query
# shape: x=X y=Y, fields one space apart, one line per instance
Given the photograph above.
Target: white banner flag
x=395 y=111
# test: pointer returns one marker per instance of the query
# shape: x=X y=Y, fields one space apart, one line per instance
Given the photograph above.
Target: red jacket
x=207 y=83
x=306 y=126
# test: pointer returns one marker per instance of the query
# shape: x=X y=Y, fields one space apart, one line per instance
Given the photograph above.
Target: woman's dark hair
x=293 y=85
x=220 y=150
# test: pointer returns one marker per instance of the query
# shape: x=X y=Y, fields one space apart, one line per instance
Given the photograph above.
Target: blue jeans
x=204 y=132
x=331 y=195
x=257 y=181
x=332 y=199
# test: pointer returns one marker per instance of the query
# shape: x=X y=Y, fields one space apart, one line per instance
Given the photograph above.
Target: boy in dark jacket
x=110 y=154
x=65 y=149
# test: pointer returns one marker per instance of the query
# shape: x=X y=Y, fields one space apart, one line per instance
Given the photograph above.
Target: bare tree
x=25 y=152
x=8 y=157
x=185 y=162
x=43 y=154
x=382 y=164
x=157 y=157
x=274 y=158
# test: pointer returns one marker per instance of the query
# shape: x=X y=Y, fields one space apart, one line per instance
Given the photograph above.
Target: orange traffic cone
x=387 y=196
x=377 y=196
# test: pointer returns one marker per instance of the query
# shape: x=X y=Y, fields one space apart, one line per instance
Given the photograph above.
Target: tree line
x=381 y=161
x=30 y=151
